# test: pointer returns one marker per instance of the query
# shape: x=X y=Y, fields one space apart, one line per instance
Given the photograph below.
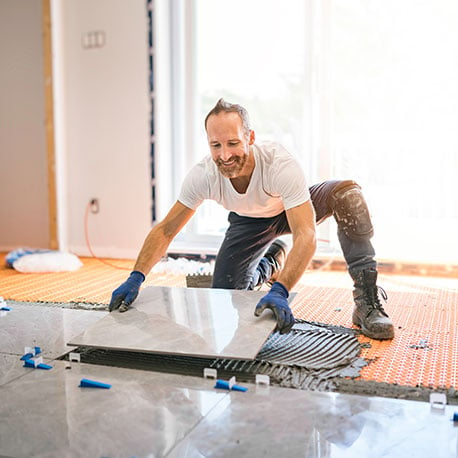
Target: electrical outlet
x=93 y=39
x=94 y=203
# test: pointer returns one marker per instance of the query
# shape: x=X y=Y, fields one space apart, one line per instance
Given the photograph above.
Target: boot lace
x=372 y=295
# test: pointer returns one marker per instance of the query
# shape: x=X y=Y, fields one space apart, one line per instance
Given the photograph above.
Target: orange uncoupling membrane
x=423 y=352
x=92 y=283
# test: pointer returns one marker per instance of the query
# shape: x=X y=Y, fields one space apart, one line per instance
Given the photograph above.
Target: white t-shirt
x=277 y=184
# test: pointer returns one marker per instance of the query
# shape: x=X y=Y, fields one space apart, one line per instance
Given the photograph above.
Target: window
x=393 y=112
x=244 y=54
x=355 y=89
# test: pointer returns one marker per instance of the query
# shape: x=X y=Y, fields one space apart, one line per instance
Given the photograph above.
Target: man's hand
x=125 y=294
x=277 y=300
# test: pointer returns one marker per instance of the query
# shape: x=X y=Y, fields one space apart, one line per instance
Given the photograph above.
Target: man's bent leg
x=240 y=263
x=329 y=198
x=345 y=201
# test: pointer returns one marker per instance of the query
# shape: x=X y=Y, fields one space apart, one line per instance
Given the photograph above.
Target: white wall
x=102 y=115
x=102 y=119
x=23 y=161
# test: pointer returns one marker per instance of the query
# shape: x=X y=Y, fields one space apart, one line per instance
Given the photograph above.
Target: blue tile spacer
x=31 y=363
x=27 y=356
x=33 y=351
x=86 y=383
x=224 y=384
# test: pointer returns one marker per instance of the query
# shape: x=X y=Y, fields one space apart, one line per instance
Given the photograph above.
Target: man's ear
x=252 y=137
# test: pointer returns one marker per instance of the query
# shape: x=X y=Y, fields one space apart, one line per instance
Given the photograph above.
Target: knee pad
x=351 y=212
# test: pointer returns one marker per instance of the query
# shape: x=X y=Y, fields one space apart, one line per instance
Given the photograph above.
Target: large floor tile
x=47 y=327
x=11 y=367
x=281 y=422
x=143 y=414
x=187 y=321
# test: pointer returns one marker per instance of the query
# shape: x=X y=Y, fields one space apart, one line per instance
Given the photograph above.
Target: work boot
x=368 y=313
x=276 y=255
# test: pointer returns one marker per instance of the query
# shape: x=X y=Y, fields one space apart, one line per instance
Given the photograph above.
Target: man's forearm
x=153 y=249
x=158 y=240
x=298 y=259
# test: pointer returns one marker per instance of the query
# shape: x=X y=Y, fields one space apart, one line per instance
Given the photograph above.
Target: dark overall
x=240 y=263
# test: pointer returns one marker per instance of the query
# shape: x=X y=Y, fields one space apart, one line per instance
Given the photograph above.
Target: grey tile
x=11 y=368
x=187 y=321
x=146 y=414
x=277 y=422
x=46 y=413
x=49 y=328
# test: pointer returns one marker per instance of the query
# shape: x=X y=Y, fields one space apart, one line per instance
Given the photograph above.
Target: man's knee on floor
x=351 y=212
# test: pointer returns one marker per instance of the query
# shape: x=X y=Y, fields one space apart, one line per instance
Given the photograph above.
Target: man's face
x=229 y=143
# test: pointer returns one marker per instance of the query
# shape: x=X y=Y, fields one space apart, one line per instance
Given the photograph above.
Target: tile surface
x=282 y=422
x=47 y=327
x=143 y=414
x=147 y=414
x=11 y=368
x=187 y=321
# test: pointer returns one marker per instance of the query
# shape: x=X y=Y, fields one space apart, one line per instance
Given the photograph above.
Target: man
x=264 y=189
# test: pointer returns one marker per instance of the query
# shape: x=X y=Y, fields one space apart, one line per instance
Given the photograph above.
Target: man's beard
x=233 y=170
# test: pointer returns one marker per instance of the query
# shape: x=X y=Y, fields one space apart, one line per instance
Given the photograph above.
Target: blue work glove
x=277 y=300
x=125 y=294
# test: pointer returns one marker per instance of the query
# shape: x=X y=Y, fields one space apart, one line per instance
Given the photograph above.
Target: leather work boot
x=276 y=255
x=368 y=313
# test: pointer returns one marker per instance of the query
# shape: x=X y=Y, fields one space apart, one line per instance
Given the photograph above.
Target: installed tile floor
x=49 y=328
x=147 y=414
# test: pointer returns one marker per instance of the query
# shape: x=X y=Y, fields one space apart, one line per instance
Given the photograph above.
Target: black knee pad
x=351 y=212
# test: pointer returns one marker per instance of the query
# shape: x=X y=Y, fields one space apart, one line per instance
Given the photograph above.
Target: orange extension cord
x=88 y=243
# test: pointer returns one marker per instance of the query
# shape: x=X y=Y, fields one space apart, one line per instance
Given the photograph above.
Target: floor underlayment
x=421 y=358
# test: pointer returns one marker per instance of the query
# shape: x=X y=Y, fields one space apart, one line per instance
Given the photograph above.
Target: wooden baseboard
x=392 y=267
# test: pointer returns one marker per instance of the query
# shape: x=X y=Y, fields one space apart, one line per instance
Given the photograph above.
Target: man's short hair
x=223 y=106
